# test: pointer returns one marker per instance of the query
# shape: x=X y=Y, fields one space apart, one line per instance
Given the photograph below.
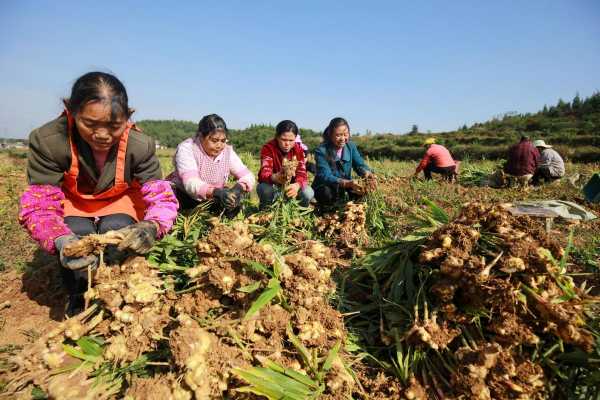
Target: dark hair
x=334 y=123
x=102 y=87
x=211 y=123
x=286 y=126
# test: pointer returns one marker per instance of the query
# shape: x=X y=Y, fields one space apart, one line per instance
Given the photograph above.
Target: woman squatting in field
x=91 y=171
x=336 y=157
x=203 y=165
x=436 y=159
x=277 y=157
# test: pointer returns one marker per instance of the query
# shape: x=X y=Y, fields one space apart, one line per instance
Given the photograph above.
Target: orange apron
x=122 y=198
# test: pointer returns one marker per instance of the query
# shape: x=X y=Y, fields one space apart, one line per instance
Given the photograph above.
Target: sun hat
x=541 y=143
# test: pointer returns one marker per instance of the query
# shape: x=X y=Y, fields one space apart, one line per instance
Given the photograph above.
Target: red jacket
x=522 y=159
x=271 y=159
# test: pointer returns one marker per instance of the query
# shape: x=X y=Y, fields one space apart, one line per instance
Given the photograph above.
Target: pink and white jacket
x=196 y=172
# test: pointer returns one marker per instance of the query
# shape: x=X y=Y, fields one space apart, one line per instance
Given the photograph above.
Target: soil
x=37 y=304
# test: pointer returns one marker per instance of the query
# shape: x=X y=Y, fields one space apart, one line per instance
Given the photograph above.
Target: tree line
x=573 y=127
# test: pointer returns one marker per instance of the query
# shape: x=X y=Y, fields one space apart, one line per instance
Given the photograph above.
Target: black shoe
x=75 y=304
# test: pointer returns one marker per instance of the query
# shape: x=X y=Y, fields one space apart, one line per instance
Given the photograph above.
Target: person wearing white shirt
x=551 y=166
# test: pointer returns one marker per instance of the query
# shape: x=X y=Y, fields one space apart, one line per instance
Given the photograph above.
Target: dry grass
x=17 y=248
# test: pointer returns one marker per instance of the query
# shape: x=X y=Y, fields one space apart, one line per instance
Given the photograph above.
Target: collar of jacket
x=346 y=153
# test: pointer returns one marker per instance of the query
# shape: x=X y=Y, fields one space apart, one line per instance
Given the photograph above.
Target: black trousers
x=329 y=195
x=76 y=281
x=188 y=203
x=446 y=172
x=543 y=174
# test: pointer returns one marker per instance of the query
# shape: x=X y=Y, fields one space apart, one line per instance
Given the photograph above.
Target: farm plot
x=422 y=290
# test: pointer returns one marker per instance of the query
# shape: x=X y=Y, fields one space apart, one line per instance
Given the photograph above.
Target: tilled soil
x=37 y=303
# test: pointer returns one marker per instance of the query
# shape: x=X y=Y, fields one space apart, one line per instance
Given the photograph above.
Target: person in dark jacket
x=336 y=158
x=272 y=176
x=522 y=160
x=91 y=171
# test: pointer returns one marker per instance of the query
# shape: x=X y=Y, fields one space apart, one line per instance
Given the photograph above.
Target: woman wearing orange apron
x=90 y=171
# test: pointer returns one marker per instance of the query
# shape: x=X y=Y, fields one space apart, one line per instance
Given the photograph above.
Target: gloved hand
x=220 y=196
x=228 y=198
x=238 y=188
x=139 y=237
x=73 y=263
x=234 y=197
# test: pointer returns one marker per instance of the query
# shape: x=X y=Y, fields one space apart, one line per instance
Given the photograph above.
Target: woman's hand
x=73 y=263
x=278 y=178
x=139 y=237
x=292 y=190
x=209 y=192
x=355 y=187
x=371 y=181
x=229 y=198
x=349 y=184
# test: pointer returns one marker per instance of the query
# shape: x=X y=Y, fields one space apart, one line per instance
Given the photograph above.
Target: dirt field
x=30 y=285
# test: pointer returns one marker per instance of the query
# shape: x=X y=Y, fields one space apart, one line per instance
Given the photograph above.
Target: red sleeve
x=266 y=165
x=423 y=162
x=301 y=176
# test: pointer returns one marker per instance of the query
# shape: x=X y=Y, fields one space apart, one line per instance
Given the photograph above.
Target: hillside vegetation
x=572 y=127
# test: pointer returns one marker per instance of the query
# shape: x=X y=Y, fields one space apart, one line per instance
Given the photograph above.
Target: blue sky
x=382 y=65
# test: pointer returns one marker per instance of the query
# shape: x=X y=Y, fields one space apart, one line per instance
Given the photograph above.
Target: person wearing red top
x=437 y=159
x=522 y=160
x=271 y=177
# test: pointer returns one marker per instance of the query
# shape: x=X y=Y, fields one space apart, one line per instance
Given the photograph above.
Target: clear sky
x=382 y=65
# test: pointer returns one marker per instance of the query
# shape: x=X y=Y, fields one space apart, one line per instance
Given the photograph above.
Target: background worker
x=550 y=166
x=522 y=160
x=437 y=159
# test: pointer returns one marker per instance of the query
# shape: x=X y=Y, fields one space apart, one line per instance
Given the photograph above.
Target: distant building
x=17 y=144
x=159 y=146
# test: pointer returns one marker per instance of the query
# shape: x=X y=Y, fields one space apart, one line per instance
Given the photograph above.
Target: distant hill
x=572 y=127
x=168 y=132
x=172 y=132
